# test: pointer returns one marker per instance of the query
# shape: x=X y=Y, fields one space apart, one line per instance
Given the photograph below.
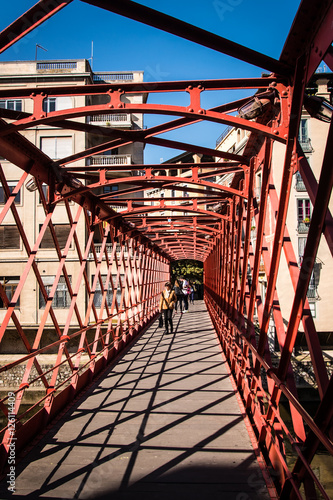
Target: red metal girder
x=35 y=16
x=309 y=23
x=41 y=118
x=185 y=30
x=317 y=222
x=329 y=58
x=166 y=183
x=148 y=87
x=321 y=42
x=295 y=113
x=323 y=419
x=312 y=189
x=307 y=320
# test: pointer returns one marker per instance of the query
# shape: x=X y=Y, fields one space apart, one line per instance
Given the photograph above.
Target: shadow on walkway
x=163 y=423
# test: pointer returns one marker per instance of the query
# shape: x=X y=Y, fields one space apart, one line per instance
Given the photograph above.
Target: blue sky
x=123 y=44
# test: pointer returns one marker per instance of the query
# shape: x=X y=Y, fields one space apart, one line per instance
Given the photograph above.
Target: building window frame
x=62 y=298
x=50 y=104
x=304 y=214
x=16 y=238
x=11 y=185
x=9 y=284
x=12 y=104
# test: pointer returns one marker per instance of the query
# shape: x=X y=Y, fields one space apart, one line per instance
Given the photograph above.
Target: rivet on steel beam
x=42 y=115
x=111 y=106
x=276 y=132
x=120 y=105
x=190 y=110
x=201 y=111
x=284 y=93
x=33 y=95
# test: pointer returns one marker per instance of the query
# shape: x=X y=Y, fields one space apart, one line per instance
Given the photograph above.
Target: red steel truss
x=127 y=251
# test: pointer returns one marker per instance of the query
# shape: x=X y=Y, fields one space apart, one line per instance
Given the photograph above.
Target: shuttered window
x=61 y=231
x=9 y=237
x=56 y=147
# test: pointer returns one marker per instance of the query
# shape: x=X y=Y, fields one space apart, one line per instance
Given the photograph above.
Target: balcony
x=303 y=226
x=119 y=120
x=306 y=145
x=299 y=186
x=98 y=247
x=105 y=160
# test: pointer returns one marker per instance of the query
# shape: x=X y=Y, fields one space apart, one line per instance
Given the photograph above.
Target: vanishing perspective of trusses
x=212 y=224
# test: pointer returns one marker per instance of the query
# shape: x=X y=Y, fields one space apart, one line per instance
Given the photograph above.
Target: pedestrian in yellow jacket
x=167 y=304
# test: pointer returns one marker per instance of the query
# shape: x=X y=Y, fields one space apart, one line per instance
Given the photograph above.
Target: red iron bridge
x=96 y=401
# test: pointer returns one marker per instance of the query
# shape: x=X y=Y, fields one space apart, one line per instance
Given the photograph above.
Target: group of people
x=182 y=293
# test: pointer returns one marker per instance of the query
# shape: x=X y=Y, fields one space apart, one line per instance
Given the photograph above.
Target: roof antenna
x=92 y=54
x=38 y=47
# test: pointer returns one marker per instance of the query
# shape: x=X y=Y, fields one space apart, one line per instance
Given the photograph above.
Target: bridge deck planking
x=164 y=422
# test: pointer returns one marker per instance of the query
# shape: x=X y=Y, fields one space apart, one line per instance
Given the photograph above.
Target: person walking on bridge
x=167 y=304
x=179 y=295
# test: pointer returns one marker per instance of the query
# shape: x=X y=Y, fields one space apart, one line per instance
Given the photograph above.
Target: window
x=57 y=103
x=14 y=104
x=110 y=188
x=303 y=130
x=61 y=297
x=303 y=210
x=11 y=185
x=49 y=104
x=61 y=231
x=56 y=147
x=45 y=189
x=9 y=238
x=312 y=306
x=301 y=248
x=300 y=186
x=109 y=294
x=9 y=284
x=303 y=215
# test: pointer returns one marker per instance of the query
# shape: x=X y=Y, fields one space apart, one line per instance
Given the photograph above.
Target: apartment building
x=57 y=143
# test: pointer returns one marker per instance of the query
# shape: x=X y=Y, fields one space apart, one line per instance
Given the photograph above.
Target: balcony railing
x=113 y=77
x=50 y=65
x=112 y=120
x=98 y=247
x=110 y=160
x=306 y=145
x=224 y=134
x=303 y=227
x=300 y=186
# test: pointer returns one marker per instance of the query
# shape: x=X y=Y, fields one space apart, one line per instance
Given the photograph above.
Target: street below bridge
x=164 y=422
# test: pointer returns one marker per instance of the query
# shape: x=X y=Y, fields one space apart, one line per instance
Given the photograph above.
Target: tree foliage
x=190 y=269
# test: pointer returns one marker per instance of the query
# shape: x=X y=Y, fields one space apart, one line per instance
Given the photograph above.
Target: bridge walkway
x=163 y=423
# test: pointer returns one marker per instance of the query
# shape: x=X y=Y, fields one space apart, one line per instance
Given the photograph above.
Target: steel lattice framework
x=144 y=242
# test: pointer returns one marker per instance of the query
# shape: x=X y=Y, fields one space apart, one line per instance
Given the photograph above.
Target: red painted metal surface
x=130 y=237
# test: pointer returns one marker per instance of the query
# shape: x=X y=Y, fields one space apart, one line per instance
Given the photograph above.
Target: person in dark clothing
x=185 y=288
x=179 y=295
